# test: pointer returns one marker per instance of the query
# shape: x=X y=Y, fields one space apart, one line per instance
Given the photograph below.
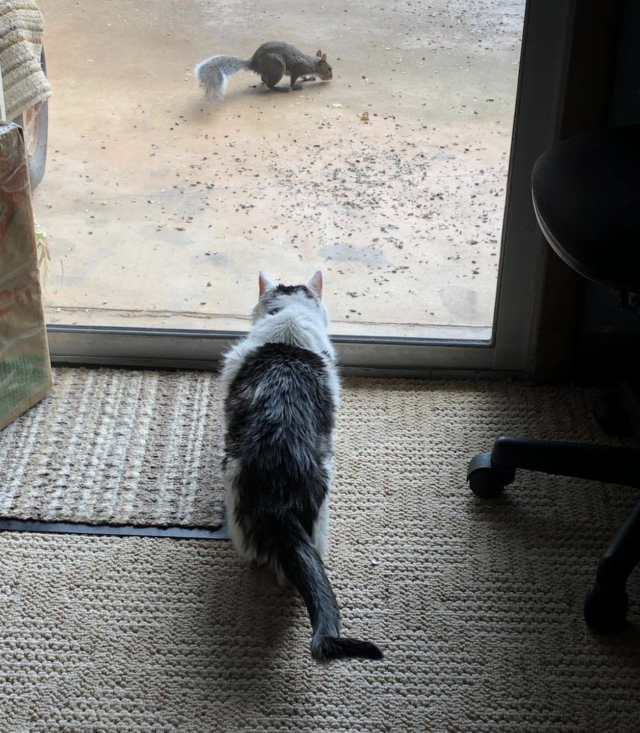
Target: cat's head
x=275 y=298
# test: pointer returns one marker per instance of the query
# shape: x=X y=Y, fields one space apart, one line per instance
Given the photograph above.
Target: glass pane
x=160 y=208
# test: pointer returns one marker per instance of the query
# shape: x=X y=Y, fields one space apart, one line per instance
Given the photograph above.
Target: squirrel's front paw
x=296 y=87
x=308 y=78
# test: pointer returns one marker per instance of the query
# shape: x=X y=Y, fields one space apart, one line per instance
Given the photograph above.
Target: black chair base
x=618 y=413
x=605 y=607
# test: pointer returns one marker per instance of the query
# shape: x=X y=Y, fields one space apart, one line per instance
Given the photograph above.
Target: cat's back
x=281 y=391
x=279 y=417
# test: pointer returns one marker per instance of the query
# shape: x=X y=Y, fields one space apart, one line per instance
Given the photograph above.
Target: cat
x=282 y=395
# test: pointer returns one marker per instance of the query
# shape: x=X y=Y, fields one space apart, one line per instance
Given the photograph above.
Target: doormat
x=117 y=447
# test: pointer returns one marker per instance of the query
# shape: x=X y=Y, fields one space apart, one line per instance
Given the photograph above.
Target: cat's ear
x=265 y=282
x=315 y=284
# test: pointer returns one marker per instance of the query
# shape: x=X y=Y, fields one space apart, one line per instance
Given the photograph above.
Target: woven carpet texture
x=476 y=604
x=118 y=447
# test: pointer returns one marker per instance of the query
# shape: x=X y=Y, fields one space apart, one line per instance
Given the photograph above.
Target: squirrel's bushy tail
x=214 y=73
x=303 y=568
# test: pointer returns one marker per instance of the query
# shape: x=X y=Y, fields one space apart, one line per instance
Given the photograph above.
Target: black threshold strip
x=119 y=530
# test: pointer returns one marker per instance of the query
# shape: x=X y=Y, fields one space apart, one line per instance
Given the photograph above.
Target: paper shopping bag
x=25 y=368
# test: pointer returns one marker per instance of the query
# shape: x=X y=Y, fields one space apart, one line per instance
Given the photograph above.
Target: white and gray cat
x=283 y=392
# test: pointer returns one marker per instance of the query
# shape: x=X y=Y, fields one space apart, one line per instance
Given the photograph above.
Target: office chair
x=586 y=195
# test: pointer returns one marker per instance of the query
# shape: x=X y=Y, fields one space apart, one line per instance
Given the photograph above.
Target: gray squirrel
x=272 y=61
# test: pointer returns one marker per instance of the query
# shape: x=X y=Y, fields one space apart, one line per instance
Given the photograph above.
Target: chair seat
x=586 y=193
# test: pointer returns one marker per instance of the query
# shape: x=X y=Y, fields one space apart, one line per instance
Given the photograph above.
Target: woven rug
x=477 y=605
x=112 y=446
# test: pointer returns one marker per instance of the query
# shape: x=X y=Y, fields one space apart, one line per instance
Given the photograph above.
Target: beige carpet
x=477 y=605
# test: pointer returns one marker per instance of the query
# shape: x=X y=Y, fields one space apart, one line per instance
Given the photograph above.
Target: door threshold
x=117 y=530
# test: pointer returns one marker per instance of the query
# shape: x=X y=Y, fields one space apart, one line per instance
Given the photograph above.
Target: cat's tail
x=214 y=73
x=303 y=568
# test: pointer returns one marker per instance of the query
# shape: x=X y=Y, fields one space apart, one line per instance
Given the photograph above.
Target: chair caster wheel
x=486 y=483
x=611 y=416
x=605 y=610
x=485 y=480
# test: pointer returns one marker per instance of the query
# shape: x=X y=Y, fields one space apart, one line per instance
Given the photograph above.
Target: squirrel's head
x=323 y=68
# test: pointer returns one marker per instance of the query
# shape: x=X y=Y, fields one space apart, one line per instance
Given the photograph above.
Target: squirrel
x=272 y=61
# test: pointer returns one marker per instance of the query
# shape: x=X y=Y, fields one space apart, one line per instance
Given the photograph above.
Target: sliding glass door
x=406 y=179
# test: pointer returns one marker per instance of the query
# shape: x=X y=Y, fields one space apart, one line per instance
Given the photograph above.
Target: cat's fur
x=282 y=396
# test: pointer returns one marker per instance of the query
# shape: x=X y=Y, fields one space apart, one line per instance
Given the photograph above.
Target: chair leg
x=489 y=473
x=618 y=413
x=606 y=604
